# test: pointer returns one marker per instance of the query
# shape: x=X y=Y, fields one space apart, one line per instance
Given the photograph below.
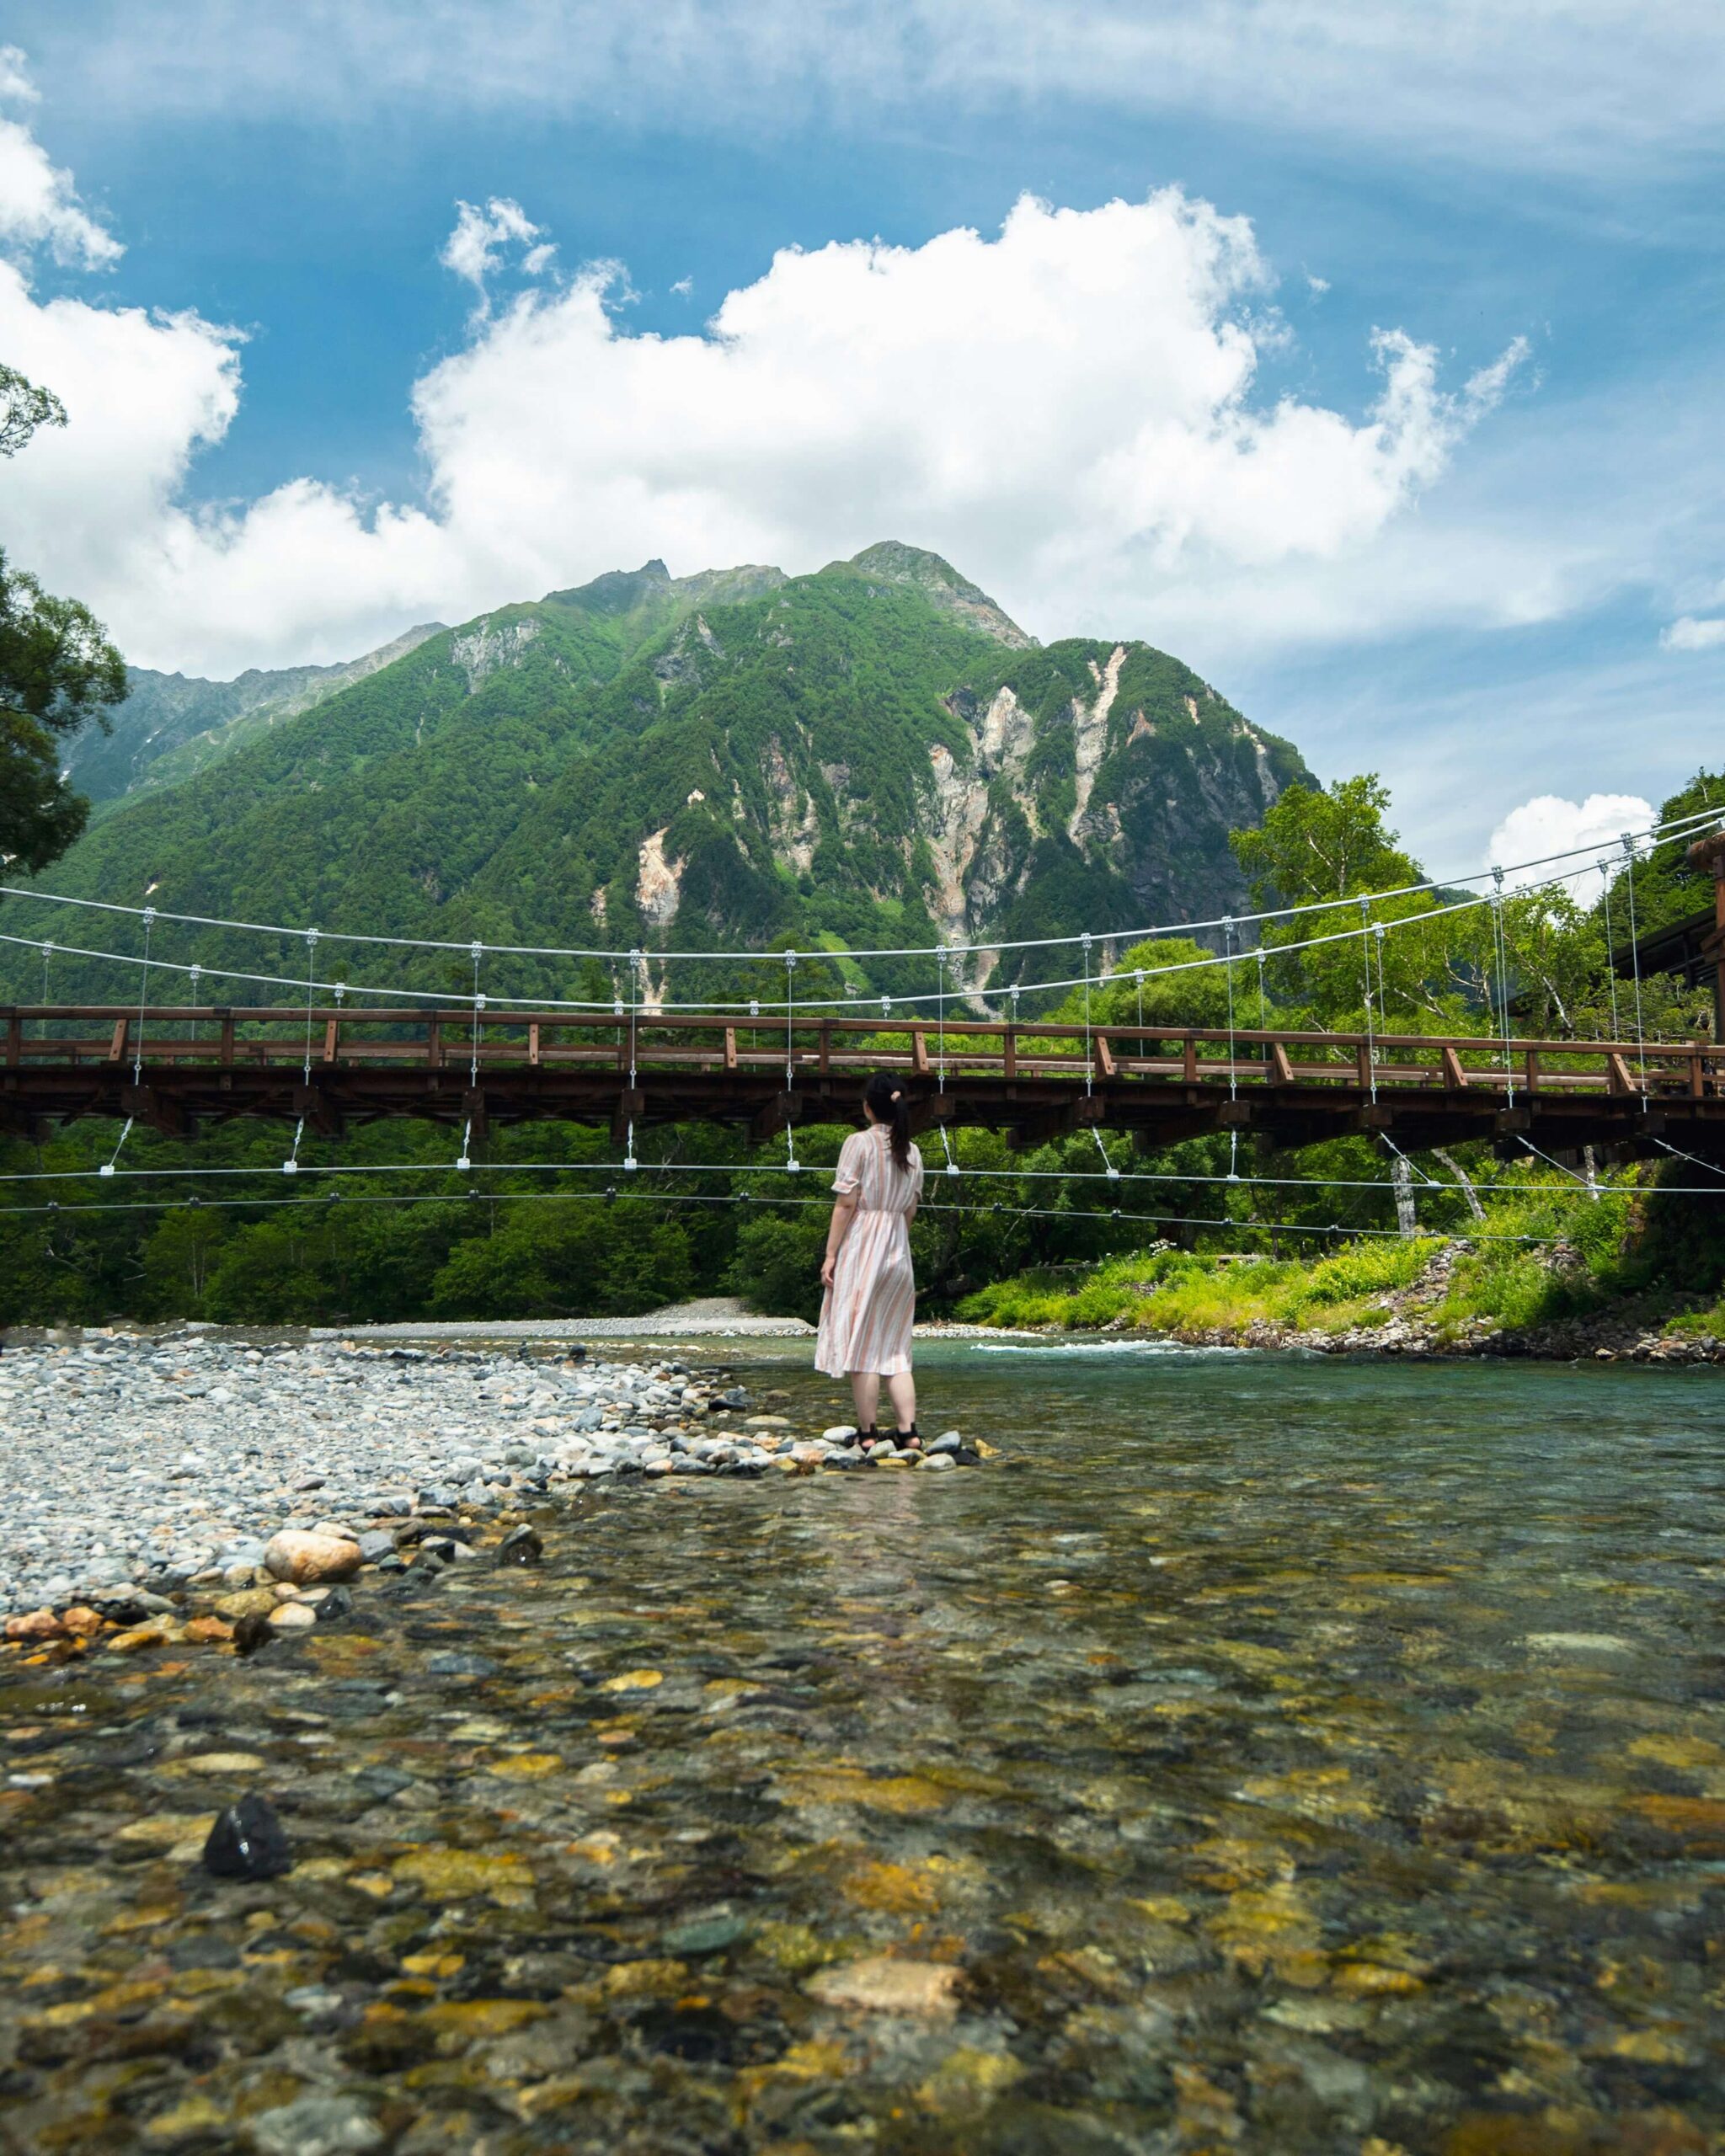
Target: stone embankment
x=143 y=1480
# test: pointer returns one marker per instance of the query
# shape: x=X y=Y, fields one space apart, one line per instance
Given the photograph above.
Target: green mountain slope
x=873 y=754
x=171 y=726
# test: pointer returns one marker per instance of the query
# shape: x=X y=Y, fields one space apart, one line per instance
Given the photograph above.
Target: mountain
x=872 y=754
x=172 y=725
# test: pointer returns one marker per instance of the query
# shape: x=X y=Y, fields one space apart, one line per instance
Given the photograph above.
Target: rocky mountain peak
x=942 y=586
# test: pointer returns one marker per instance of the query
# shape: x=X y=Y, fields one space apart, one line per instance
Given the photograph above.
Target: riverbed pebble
x=135 y=1471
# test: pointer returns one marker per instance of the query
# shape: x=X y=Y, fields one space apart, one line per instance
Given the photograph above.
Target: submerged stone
x=521 y=1545
x=883 y=1986
x=247 y=1841
x=317 y=2126
x=705 y=1935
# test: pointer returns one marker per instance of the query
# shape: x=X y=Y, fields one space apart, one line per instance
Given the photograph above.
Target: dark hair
x=883 y=1096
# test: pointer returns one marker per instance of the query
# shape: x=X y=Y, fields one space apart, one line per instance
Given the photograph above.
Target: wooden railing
x=42 y=1037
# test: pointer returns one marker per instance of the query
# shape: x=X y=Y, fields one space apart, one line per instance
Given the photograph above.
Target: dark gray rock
x=247 y=1842
x=521 y=1545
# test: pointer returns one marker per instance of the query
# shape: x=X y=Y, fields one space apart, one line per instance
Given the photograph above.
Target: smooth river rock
x=304 y=1558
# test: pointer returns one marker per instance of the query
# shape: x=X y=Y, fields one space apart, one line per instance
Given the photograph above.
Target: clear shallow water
x=1280 y=1755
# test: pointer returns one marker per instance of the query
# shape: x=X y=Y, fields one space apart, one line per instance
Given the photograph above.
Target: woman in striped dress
x=871 y=1291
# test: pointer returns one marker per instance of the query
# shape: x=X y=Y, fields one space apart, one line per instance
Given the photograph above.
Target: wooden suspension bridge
x=178 y=1069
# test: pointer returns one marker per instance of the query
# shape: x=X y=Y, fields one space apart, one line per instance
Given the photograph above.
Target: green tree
x=179 y=1257
x=57 y=671
x=25 y=406
x=1325 y=842
x=576 y=1257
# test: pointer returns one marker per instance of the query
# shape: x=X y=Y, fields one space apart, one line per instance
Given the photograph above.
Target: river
x=1268 y=1753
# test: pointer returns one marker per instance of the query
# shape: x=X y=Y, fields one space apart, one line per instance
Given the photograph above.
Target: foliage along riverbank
x=1606 y=1278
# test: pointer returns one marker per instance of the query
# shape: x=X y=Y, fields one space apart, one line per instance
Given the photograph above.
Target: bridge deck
x=184 y=1065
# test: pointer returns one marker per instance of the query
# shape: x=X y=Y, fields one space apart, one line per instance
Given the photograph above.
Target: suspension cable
x=636 y=959
x=137 y=1053
x=1089 y=1058
x=1228 y=947
x=1610 y=955
x=1371 y=1045
x=311 y=984
x=1667 y=830
x=792 y=1163
x=1502 y=968
x=1641 y=1039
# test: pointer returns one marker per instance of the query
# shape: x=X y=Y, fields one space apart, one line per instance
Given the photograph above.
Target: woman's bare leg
x=901 y=1390
x=865 y=1393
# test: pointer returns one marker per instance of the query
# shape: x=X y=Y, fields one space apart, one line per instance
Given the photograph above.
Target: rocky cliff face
x=875 y=755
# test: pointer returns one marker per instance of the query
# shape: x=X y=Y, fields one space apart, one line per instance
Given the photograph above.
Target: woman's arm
x=844 y=1211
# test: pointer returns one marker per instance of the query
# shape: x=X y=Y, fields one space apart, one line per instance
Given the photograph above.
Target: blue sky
x=1487 y=560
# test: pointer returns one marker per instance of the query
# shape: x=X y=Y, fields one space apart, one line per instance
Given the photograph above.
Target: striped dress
x=866 y=1315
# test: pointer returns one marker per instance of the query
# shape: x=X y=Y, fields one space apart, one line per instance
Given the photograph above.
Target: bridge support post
x=147 y=1106
x=319 y=1111
x=930 y=1109
x=773 y=1116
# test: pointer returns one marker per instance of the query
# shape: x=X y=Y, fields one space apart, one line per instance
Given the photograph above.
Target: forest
x=544 y=1224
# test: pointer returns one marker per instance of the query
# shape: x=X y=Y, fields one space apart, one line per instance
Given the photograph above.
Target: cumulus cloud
x=1069 y=409
x=38 y=204
x=473 y=249
x=1694 y=633
x=1549 y=825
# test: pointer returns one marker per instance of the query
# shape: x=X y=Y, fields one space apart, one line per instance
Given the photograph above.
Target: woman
x=871 y=1292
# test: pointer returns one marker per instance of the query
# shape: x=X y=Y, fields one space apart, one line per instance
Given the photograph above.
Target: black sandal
x=908 y=1440
x=867 y=1439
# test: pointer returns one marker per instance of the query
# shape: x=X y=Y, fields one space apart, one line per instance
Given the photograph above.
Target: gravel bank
x=129 y=1463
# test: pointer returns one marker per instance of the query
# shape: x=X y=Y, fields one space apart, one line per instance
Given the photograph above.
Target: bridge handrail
x=453 y=1030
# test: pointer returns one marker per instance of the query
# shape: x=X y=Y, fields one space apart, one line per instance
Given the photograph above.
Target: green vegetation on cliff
x=871 y=755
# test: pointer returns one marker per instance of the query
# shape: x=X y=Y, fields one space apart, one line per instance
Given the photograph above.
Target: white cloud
x=1603 y=89
x=1066 y=410
x=16 y=86
x=473 y=249
x=38 y=204
x=1549 y=825
x=1692 y=632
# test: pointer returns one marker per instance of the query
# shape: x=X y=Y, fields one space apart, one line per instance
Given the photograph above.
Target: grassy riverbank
x=1546 y=1256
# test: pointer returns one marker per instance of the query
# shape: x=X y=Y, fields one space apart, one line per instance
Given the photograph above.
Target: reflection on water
x=1282 y=1755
